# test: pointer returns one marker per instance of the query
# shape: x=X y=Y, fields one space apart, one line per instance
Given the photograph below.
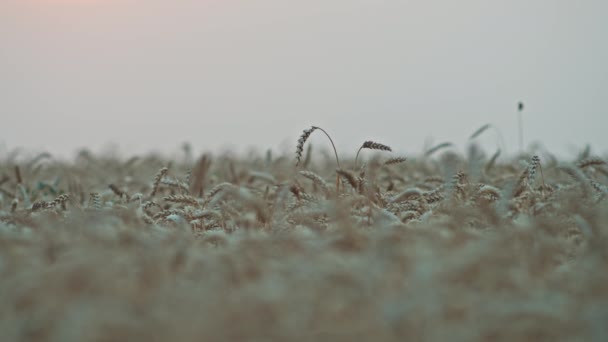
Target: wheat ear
x=300 y=148
x=185 y=199
x=372 y=145
x=437 y=148
x=479 y=131
x=61 y=200
x=542 y=178
x=396 y=160
x=589 y=162
x=161 y=173
x=119 y=192
x=318 y=180
x=305 y=135
x=350 y=177
x=95 y=201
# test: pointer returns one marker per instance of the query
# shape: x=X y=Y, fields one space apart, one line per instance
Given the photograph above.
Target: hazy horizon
x=240 y=74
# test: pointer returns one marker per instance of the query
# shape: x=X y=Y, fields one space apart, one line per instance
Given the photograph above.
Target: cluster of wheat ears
x=434 y=247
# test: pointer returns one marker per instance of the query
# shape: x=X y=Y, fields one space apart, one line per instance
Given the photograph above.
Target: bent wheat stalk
x=300 y=148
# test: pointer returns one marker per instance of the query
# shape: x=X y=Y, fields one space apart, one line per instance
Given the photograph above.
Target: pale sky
x=150 y=75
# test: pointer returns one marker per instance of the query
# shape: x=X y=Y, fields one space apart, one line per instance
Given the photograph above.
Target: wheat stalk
x=492 y=161
x=18 y=177
x=300 y=147
x=585 y=153
x=308 y=156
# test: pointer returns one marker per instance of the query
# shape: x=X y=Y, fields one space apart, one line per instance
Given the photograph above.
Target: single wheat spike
x=147 y=207
x=434 y=195
x=186 y=199
x=215 y=190
x=41 y=204
x=407 y=194
x=590 y=162
x=60 y=200
x=350 y=177
x=300 y=147
x=436 y=148
x=479 y=131
x=528 y=176
x=372 y=145
x=188 y=177
x=181 y=186
x=295 y=190
x=396 y=160
x=598 y=186
x=120 y=193
x=318 y=180
x=161 y=173
x=488 y=191
x=532 y=168
x=95 y=201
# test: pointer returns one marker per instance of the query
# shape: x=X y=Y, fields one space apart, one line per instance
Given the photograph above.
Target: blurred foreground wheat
x=458 y=248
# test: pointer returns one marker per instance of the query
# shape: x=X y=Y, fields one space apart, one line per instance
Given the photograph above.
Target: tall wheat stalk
x=520 y=109
x=300 y=148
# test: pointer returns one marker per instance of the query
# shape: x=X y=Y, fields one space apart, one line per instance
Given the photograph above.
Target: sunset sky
x=149 y=75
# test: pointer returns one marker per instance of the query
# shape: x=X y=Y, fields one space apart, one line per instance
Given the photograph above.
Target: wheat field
x=440 y=246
